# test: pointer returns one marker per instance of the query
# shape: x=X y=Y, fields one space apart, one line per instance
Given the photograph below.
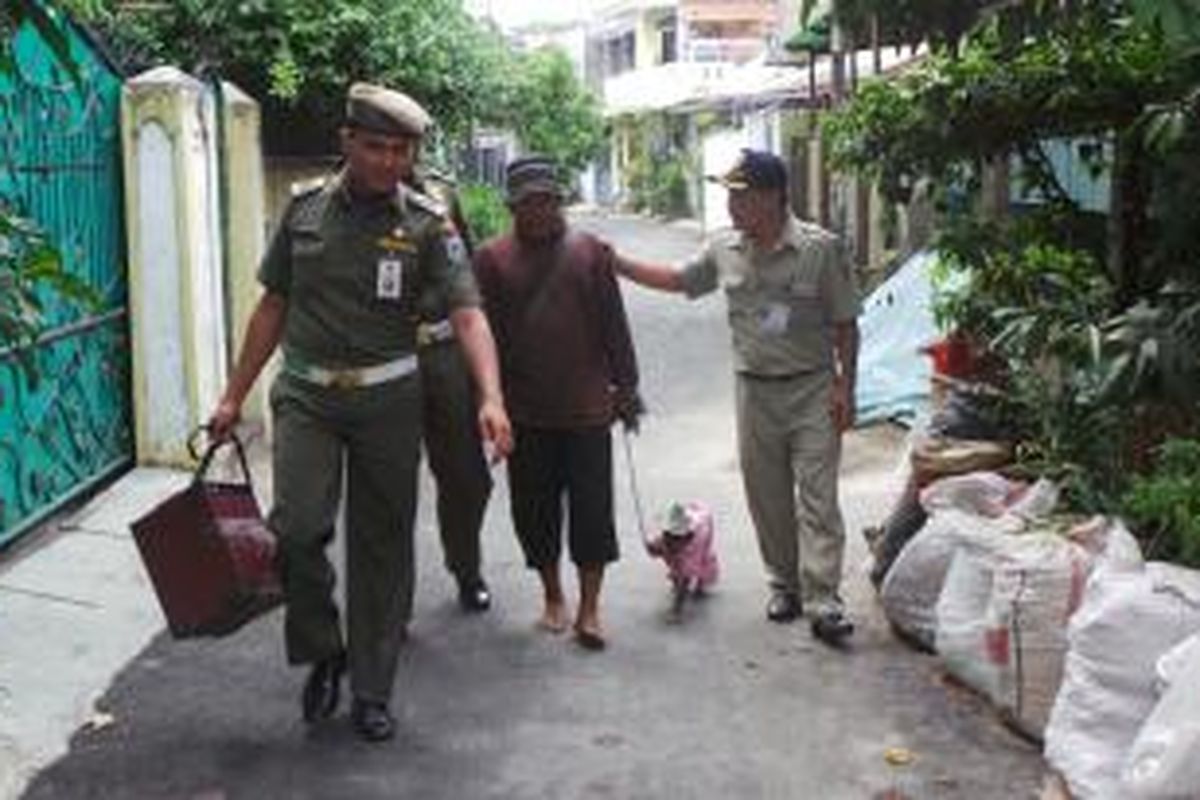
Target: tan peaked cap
x=383 y=110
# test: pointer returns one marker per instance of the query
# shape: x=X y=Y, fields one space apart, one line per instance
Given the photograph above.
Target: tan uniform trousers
x=790 y=454
x=374 y=431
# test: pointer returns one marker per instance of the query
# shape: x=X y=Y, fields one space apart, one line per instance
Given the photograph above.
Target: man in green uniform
x=343 y=277
x=456 y=457
x=792 y=311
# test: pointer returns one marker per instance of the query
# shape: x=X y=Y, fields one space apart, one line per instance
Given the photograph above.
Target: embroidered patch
x=397 y=240
x=456 y=251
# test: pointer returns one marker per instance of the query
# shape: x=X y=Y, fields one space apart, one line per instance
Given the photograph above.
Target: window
x=668 y=38
x=619 y=54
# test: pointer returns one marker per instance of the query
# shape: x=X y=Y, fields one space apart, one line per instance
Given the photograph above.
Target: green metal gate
x=60 y=166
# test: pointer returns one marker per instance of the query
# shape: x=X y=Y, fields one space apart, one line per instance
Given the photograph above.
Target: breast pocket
x=803 y=300
x=743 y=302
x=308 y=261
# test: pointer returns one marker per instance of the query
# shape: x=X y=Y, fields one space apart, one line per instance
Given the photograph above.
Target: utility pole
x=837 y=55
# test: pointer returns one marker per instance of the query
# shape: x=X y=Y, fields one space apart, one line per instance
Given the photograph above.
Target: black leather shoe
x=832 y=627
x=323 y=688
x=473 y=595
x=783 y=607
x=372 y=720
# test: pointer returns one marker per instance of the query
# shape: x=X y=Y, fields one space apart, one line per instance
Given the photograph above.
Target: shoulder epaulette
x=426 y=203
x=815 y=231
x=306 y=187
x=309 y=199
x=725 y=236
x=437 y=176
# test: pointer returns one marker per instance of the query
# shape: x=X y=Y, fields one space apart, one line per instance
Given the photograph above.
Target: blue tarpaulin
x=897 y=320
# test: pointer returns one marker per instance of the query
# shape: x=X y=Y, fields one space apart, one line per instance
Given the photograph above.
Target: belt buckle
x=346 y=379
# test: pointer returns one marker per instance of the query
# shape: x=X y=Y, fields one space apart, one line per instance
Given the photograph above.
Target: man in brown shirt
x=568 y=370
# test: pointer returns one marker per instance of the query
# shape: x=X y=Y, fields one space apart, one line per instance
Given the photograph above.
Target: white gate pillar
x=177 y=311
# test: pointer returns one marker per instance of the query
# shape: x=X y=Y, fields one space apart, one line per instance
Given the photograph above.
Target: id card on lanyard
x=773 y=319
x=389 y=278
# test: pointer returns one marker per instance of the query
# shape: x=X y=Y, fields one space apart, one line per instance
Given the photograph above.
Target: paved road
x=723 y=705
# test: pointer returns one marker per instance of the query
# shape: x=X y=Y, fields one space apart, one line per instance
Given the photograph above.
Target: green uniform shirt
x=440 y=191
x=782 y=303
x=353 y=273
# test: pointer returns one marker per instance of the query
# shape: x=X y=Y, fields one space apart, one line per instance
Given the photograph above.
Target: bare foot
x=554 y=618
x=589 y=634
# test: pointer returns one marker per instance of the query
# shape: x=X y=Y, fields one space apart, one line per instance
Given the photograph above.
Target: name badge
x=389 y=279
x=774 y=319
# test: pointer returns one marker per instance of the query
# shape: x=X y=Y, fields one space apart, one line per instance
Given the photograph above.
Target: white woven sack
x=1002 y=620
x=1128 y=619
x=1164 y=761
x=911 y=589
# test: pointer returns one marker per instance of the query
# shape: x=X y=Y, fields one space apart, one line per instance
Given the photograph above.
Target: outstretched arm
x=654 y=276
x=618 y=346
x=475 y=338
x=262 y=336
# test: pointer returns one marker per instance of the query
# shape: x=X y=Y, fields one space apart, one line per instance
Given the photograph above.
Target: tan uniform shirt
x=782 y=303
x=354 y=270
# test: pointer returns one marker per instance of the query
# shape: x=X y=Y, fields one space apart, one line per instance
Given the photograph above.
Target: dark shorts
x=550 y=469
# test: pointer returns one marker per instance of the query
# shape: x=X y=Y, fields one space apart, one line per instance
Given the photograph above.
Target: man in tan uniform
x=343 y=278
x=792 y=310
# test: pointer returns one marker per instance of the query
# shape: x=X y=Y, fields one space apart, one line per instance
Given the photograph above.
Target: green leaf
x=1165 y=129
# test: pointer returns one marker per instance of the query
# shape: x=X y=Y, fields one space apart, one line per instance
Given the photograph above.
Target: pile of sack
x=1075 y=639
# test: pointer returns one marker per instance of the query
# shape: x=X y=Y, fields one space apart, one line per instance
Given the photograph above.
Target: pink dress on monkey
x=691 y=558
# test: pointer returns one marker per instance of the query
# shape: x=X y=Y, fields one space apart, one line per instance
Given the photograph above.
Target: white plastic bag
x=1164 y=761
x=1128 y=619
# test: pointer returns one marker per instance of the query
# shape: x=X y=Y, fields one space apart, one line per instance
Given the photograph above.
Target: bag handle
x=213 y=446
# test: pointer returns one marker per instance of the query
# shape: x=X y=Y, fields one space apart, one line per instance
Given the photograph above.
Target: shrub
x=1164 y=506
x=659 y=184
x=484 y=208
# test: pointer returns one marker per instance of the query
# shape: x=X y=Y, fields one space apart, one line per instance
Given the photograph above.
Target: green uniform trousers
x=374 y=431
x=790 y=453
x=455 y=452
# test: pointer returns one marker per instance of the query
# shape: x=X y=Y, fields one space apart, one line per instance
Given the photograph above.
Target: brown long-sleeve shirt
x=560 y=326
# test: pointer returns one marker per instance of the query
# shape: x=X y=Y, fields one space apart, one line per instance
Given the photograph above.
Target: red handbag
x=210 y=555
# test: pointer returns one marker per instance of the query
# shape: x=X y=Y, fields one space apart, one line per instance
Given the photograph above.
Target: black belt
x=787 y=376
